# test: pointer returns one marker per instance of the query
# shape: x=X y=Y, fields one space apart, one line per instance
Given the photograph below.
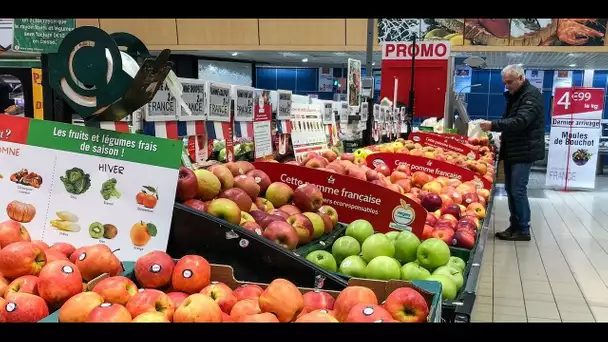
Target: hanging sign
x=575 y=137
x=219 y=102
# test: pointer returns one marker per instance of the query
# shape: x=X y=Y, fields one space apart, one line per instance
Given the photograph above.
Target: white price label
x=219 y=102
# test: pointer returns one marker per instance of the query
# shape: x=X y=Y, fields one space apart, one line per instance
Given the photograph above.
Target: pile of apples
x=36 y=279
x=183 y=292
x=242 y=195
x=395 y=255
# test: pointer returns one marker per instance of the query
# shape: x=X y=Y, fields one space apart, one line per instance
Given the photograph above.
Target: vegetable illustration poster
x=84 y=186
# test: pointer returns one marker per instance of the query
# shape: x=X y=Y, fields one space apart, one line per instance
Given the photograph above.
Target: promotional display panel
x=575 y=137
x=433 y=167
x=86 y=186
x=308 y=134
x=353 y=198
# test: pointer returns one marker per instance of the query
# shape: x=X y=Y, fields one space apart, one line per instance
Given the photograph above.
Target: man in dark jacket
x=522 y=143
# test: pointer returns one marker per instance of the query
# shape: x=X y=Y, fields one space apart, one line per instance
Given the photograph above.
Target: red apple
x=372 y=175
x=243 y=167
x=336 y=167
x=23 y=284
x=478 y=209
x=64 y=248
x=404 y=168
x=248 y=291
x=21 y=258
x=356 y=172
x=245 y=307
x=383 y=169
x=116 y=290
x=59 y=281
x=431 y=201
x=282 y=233
x=43 y=245
x=258 y=215
x=198 y=308
x=316 y=316
x=303 y=227
x=254 y=227
x=247 y=184
x=367 y=313
x=187 y=185
x=263 y=204
x=74 y=256
x=331 y=212
x=347 y=156
x=469 y=198
x=449 y=217
x=153 y=270
x=265 y=317
x=445 y=234
x=316 y=162
x=224 y=175
x=109 y=313
x=431 y=219
x=290 y=209
x=261 y=178
x=191 y=274
x=53 y=255
x=151 y=300
x=226 y=318
x=279 y=212
x=407 y=305
x=196 y=205
x=269 y=219
x=225 y=209
x=329 y=155
x=221 y=294
x=329 y=225
x=238 y=196
x=23 y=308
x=308 y=197
x=351 y=296
x=77 y=308
x=177 y=298
x=12 y=231
x=282 y=298
x=442 y=222
x=317 y=299
x=464 y=238
x=427 y=233
x=451 y=209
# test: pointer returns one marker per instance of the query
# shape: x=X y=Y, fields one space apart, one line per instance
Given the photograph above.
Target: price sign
x=243 y=101
x=364 y=111
x=195 y=96
x=376 y=113
x=328 y=113
x=162 y=106
x=344 y=112
x=219 y=102
x=575 y=137
x=284 y=110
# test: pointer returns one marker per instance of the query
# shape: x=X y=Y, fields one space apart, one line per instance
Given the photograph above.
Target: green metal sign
x=40 y=35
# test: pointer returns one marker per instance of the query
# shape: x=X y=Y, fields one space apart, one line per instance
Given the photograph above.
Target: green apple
x=353 y=266
x=451 y=273
x=413 y=271
x=448 y=289
x=392 y=235
x=323 y=259
x=377 y=245
x=345 y=246
x=383 y=268
x=406 y=244
x=457 y=263
x=433 y=253
x=360 y=230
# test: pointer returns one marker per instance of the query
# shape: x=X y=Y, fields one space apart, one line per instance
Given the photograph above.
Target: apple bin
x=224 y=274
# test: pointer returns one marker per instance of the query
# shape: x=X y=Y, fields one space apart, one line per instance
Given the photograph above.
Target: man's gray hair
x=513 y=69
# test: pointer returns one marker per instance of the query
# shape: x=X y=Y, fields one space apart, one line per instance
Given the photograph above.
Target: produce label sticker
x=353 y=198
x=434 y=140
x=87 y=186
x=575 y=136
x=243 y=102
x=433 y=167
x=284 y=110
x=219 y=102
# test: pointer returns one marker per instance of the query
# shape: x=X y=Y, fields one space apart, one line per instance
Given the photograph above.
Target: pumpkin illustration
x=21 y=212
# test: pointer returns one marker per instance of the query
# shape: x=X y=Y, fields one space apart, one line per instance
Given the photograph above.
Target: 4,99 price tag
x=577 y=100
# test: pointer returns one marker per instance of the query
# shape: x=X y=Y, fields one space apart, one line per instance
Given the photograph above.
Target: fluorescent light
x=234 y=54
x=304 y=60
x=572 y=65
x=520 y=64
x=373 y=63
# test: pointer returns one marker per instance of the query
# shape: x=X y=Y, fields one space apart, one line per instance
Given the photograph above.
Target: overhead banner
x=575 y=136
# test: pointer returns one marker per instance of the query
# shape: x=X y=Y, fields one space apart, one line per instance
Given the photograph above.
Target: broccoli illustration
x=108 y=189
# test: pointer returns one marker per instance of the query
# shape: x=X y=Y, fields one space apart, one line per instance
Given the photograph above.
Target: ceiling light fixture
x=304 y=60
x=373 y=63
x=234 y=54
x=572 y=65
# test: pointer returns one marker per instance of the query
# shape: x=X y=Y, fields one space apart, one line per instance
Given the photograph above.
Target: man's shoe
x=515 y=236
x=505 y=234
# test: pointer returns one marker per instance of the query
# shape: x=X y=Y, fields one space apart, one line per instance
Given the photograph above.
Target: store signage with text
x=433 y=167
x=575 y=137
x=353 y=198
x=435 y=140
x=426 y=50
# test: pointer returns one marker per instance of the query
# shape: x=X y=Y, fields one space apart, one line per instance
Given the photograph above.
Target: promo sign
x=307 y=130
x=219 y=102
x=575 y=137
x=434 y=140
x=432 y=167
x=37 y=93
x=284 y=110
x=353 y=198
x=423 y=50
x=262 y=134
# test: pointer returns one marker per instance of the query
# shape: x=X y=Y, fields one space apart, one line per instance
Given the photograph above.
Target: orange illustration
x=141 y=233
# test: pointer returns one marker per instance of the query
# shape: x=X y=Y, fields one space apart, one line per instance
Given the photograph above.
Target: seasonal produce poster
x=575 y=137
x=83 y=186
x=307 y=129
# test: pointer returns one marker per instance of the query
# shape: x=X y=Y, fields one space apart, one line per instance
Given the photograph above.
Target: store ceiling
x=495 y=60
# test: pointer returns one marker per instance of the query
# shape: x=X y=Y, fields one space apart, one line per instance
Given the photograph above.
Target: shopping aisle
x=562 y=274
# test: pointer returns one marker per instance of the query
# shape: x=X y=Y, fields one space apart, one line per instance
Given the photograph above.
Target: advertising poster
x=354 y=82
x=561 y=79
x=536 y=78
x=87 y=186
x=262 y=133
x=307 y=129
x=462 y=79
x=326 y=80
x=40 y=35
x=575 y=136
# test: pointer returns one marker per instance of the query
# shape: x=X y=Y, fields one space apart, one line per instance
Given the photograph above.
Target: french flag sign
x=243 y=129
x=174 y=129
x=218 y=130
x=284 y=127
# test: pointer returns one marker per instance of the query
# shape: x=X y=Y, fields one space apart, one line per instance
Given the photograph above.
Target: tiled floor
x=559 y=276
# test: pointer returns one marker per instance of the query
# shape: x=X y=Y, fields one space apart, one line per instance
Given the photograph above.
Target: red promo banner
x=456 y=137
x=577 y=100
x=445 y=143
x=14 y=129
x=433 y=167
x=354 y=199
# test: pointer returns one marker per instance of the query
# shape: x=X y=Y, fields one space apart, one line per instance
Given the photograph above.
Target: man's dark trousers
x=516 y=185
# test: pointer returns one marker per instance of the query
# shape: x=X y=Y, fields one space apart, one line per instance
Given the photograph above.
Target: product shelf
x=253 y=257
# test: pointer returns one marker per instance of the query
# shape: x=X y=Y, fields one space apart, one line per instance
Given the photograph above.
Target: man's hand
x=485 y=126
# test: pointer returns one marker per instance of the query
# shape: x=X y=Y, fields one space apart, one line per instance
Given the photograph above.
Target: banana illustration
x=65 y=225
x=451 y=35
x=67 y=216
